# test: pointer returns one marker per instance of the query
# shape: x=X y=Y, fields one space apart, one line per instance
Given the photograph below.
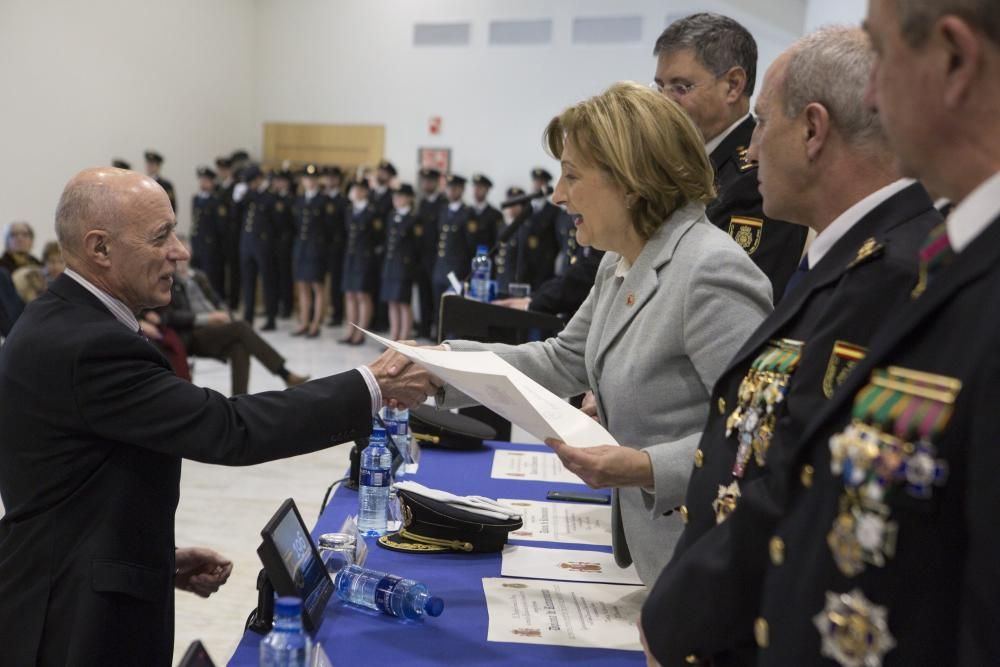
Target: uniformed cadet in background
x=824 y=163
x=425 y=233
x=240 y=160
x=119 y=163
x=381 y=198
x=364 y=234
x=335 y=206
x=257 y=257
x=154 y=162
x=505 y=260
x=486 y=220
x=311 y=258
x=707 y=63
x=454 y=247
x=400 y=259
x=284 y=229
x=209 y=220
x=226 y=184
x=537 y=244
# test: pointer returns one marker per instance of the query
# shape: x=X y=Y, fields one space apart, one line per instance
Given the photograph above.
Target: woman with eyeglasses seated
x=674 y=299
x=18 y=237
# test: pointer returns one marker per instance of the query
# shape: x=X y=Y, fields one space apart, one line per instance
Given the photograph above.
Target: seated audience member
x=29 y=281
x=95 y=428
x=53 y=260
x=208 y=329
x=18 y=237
x=674 y=299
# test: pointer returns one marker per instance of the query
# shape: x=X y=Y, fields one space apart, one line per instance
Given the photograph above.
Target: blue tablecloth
x=357 y=637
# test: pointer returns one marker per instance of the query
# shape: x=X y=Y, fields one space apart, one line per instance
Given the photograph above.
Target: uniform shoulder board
x=868 y=251
x=743 y=162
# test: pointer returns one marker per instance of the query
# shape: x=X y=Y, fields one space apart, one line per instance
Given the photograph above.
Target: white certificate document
x=561 y=613
x=597 y=567
x=530 y=466
x=491 y=381
x=571 y=523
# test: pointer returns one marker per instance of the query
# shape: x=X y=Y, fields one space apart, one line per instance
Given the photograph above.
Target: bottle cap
x=482 y=250
x=288 y=606
x=434 y=606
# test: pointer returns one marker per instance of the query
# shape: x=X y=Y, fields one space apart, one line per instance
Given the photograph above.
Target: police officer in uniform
x=310 y=254
x=537 y=244
x=335 y=208
x=426 y=235
x=400 y=260
x=870 y=225
x=486 y=220
x=231 y=229
x=154 y=162
x=284 y=223
x=713 y=83
x=455 y=247
x=364 y=234
x=257 y=257
x=209 y=217
x=119 y=163
x=505 y=260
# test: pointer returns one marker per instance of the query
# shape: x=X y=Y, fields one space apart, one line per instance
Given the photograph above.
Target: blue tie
x=797 y=277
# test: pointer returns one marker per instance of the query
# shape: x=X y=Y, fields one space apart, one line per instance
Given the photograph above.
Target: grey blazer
x=651 y=345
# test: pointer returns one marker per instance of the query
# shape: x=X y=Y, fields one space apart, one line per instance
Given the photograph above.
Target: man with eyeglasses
x=707 y=63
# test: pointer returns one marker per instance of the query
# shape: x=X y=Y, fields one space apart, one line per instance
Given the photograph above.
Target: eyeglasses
x=676 y=89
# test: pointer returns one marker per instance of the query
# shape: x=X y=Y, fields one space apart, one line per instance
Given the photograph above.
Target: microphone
x=523 y=199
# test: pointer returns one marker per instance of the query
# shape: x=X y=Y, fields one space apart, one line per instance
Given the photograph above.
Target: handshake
x=401 y=381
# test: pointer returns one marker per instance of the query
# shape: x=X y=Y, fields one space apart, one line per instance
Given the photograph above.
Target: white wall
x=352 y=61
x=824 y=12
x=86 y=81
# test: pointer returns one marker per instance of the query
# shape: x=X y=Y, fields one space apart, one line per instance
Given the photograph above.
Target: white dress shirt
x=974 y=213
x=717 y=141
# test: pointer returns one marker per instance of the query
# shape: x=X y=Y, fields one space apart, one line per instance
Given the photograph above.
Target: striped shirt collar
x=117 y=308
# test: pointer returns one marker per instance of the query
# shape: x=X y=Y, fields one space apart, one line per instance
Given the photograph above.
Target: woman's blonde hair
x=645 y=143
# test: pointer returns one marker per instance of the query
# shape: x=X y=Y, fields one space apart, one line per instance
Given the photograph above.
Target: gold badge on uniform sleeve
x=329 y=209
x=533 y=242
x=418 y=230
x=843 y=358
x=472 y=226
x=747 y=232
x=377 y=224
x=855 y=632
x=222 y=211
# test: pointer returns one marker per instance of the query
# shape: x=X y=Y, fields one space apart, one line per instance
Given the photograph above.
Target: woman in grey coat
x=674 y=298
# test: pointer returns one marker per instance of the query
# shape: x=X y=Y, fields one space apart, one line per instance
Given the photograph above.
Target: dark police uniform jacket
x=537 y=246
x=259 y=232
x=400 y=258
x=310 y=246
x=774 y=246
x=335 y=207
x=455 y=244
x=483 y=227
x=425 y=229
x=365 y=232
x=563 y=295
x=209 y=218
x=95 y=426
x=906 y=564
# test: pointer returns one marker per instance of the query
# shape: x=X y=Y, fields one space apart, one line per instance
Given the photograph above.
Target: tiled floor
x=225 y=508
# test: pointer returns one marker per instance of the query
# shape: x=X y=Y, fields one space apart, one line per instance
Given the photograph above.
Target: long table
x=353 y=636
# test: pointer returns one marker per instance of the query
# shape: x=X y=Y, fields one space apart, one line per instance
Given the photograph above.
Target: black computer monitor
x=293 y=563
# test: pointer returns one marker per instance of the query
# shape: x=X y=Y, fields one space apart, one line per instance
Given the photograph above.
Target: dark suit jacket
x=179 y=314
x=842 y=299
x=95 y=426
x=774 y=246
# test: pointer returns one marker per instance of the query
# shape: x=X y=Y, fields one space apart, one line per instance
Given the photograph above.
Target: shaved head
x=116 y=228
x=102 y=198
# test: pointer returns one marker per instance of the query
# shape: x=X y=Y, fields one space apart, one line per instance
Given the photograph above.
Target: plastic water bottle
x=386 y=593
x=482 y=269
x=398 y=422
x=287 y=645
x=373 y=490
